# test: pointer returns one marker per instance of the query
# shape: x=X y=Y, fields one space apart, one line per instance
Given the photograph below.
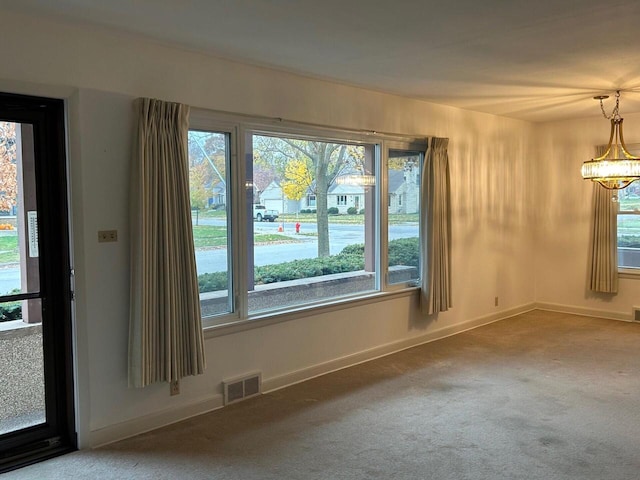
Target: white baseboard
x=162 y=418
x=587 y=312
x=153 y=421
x=308 y=373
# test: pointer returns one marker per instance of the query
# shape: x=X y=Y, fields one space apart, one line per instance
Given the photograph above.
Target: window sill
x=629 y=273
x=259 y=321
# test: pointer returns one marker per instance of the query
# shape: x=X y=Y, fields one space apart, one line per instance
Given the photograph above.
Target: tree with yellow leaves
x=8 y=170
x=297 y=179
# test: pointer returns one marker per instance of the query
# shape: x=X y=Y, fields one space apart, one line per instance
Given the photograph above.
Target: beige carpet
x=539 y=396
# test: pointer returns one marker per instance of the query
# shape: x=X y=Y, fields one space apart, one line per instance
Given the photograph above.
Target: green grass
x=629 y=204
x=207 y=236
x=9 y=249
x=204 y=236
x=629 y=225
x=358 y=219
x=210 y=214
x=394 y=219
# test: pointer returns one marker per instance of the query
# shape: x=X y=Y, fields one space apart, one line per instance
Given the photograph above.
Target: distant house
x=218 y=195
x=404 y=190
x=344 y=196
x=273 y=198
x=404 y=195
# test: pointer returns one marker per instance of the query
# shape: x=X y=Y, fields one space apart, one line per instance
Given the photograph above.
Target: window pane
x=403 y=230
x=19 y=256
x=321 y=244
x=629 y=240
x=208 y=188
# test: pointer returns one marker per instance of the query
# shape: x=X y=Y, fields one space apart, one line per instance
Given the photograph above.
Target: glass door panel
x=36 y=396
x=22 y=398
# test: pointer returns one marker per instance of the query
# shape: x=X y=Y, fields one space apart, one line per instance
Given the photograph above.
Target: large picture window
x=303 y=212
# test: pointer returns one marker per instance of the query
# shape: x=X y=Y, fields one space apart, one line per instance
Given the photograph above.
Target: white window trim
x=629 y=272
x=239 y=126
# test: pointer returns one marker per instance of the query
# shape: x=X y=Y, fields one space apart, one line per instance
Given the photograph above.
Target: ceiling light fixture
x=616 y=168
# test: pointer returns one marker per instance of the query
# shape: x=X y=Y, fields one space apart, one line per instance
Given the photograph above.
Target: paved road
x=304 y=247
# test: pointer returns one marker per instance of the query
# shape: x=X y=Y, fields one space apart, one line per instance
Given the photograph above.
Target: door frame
x=58 y=434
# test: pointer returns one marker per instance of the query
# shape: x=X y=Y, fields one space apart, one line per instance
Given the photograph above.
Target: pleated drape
x=603 y=265
x=436 y=229
x=165 y=332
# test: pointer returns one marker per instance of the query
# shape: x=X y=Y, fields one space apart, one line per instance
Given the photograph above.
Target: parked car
x=261 y=214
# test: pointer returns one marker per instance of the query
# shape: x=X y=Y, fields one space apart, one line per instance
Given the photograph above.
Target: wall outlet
x=174 y=388
x=107 y=236
x=496 y=302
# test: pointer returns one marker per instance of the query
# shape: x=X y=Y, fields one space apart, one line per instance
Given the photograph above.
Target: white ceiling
x=536 y=60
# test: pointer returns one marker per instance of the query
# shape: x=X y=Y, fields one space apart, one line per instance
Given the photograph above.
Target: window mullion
x=244 y=149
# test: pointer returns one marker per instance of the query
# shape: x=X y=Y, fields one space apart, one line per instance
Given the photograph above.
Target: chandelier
x=616 y=168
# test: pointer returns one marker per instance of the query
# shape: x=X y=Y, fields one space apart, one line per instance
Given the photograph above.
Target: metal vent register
x=242 y=388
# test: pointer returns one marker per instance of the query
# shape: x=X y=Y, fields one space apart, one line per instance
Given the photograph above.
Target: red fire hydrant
x=297 y=227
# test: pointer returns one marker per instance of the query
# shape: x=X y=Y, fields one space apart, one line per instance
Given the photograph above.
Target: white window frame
x=629 y=272
x=240 y=128
x=409 y=146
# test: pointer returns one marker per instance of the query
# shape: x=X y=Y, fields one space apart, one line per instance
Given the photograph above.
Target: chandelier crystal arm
x=608 y=149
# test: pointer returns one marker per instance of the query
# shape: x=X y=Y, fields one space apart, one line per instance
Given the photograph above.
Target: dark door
x=36 y=383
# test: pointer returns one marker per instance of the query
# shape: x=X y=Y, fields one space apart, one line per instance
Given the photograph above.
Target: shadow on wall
x=490 y=179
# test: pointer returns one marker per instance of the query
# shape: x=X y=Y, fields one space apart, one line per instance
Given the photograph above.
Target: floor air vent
x=636 y=314
x=242 y=387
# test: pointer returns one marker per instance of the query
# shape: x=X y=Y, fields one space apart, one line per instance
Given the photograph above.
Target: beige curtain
x=436 y=229
x=165 y=332
x=603 y=267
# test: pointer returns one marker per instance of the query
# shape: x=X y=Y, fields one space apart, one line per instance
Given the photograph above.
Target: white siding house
x=273 y=198
x=404 y=190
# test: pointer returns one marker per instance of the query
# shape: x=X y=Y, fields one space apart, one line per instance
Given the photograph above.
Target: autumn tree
x=207 y=165
x=197 y=186
x=8 y=170
x=297 y=179
x=325 y=162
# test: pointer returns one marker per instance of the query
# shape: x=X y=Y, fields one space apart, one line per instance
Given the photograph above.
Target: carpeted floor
x=538 y=396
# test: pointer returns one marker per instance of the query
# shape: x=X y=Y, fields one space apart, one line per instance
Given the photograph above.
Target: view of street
x=302 y=246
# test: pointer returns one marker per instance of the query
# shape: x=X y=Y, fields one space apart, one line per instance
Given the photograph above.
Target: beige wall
x=99 y=73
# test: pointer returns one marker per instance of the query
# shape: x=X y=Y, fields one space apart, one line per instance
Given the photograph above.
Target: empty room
x=319 y=240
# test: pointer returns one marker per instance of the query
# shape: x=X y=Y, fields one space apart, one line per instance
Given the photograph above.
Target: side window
x=629 y=227
x=629 y=224
x=209 y=190
x=403 y=216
